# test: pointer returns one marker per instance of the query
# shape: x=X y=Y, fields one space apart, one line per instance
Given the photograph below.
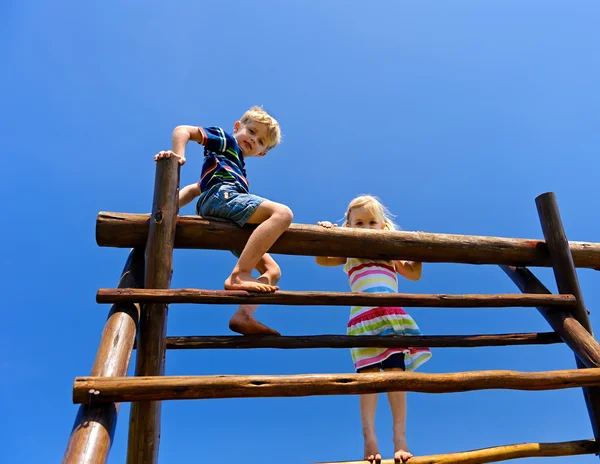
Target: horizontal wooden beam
x=347 y=341
x=237 y=297
x=500 y=453
x=158 y=388
x=130 y=230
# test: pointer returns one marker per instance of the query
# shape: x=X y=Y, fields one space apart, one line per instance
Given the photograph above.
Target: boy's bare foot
x=246 y=325
x=372 y=450
x=245 y=281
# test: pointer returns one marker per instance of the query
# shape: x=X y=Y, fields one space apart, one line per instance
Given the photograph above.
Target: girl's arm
x=329 y=260
x=410 y=270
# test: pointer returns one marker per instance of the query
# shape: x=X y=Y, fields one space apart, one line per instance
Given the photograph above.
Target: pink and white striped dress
x=375 y=276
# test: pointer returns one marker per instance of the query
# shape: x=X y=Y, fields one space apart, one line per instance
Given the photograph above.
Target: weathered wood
x=126 y=230
x=567 y=282
x=144 y=426
x=563 y=323
x=237 y=297
x=103 y=389
x=500 y=453
x=560 y=254
x=93 y=430
x=348 y=341
x=585 y=347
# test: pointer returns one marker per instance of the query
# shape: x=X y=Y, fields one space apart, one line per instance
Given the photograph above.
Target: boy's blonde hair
x=258 y=115
x=375 y=207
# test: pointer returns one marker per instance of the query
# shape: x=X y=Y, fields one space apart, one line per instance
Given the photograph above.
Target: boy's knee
x=270 y=269
x=284 y=214
x=273 y=275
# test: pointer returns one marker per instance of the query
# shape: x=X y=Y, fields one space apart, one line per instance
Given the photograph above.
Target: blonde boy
x=224 y=193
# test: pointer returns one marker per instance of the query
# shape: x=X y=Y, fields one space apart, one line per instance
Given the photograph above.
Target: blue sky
x=457 y=114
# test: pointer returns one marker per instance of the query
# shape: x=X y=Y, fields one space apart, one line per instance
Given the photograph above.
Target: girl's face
x=362 y=217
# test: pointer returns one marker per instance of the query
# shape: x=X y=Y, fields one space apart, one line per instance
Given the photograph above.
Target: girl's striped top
x=375 y=276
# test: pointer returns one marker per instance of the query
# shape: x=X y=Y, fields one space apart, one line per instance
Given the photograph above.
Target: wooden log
x=500 y=453
x=346 y=341
x=585 y=347
x=567 y=282
x=93 y=430
x=563 y=323
x=560 y=255
x=104 y=389
x=238 y=297
x=127 y=230
x=144 y=426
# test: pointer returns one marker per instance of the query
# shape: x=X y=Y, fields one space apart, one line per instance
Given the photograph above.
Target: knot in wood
x=158 y=217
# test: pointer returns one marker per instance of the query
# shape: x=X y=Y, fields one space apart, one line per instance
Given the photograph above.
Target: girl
x=365 y=275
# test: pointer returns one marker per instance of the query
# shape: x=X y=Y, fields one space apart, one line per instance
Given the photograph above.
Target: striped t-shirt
x=223 y=160
x=377 y=276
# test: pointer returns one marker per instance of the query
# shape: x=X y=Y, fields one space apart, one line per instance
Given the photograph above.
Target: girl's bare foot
x=372 y=450
x=401 y=455
x=246 y=324
x=245 y=281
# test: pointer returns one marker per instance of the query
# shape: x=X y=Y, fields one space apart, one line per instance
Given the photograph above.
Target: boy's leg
x=398 y=406
x=243 y=320
x=273 y=219
x=368 y=406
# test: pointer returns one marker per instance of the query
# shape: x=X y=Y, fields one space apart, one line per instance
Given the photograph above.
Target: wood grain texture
x=500 y=453
x=103 y=389
x=144 y=424
x=237 y=297
x=348 y=341
x=92 y=434
x=128 y=230
x=567 y=282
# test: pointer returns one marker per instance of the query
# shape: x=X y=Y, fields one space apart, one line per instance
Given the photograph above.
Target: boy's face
x=251 y=137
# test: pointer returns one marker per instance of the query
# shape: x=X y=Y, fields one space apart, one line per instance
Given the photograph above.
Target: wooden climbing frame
x=138 y=320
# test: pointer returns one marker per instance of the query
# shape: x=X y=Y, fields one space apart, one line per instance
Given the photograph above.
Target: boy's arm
x=411 y=270
x=188 y=193
x=329 y=260
x=181 y=136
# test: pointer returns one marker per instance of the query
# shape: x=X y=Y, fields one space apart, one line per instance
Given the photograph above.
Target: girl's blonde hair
x=375 y=207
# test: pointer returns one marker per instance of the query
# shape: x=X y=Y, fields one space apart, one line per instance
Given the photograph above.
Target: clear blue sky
x=457 y=114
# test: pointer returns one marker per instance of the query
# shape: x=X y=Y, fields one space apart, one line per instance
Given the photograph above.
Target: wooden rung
x=346 y=341
x=500 y=453
x=190 y=295
x=131 y=230
x=120 y=389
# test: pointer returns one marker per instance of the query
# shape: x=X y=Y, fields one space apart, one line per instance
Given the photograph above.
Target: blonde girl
x=377 y=276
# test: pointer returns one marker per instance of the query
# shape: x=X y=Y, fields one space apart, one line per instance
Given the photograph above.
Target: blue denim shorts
x=394 y=361
x=228 y=201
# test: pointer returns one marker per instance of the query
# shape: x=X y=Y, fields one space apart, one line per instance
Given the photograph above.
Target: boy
x=224 y=193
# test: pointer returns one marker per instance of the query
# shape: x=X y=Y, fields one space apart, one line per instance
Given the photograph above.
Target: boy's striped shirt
x=223 y=160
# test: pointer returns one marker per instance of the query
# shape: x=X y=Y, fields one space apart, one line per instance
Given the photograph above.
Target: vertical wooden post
x=93 y=430
x=144 y=426
x=560 y=254
x=566 y=280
